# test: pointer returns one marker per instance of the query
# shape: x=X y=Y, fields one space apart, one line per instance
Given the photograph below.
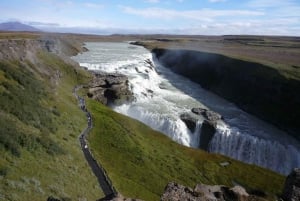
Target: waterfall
x=162 y=96
x=253 y=150
x=174 y=128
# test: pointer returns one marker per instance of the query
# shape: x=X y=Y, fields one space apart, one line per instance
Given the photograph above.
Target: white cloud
x=238 y=27
x=215 y=1
x=271 y=3
x=159 y=1
x=285 y=21
x=152 y=1
x=278 y=10
x=201 y=15
x=93 y=5
x=270 y=17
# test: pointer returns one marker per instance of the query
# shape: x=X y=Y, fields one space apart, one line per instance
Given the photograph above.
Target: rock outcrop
x=190 y=121
x=207 y=114
x=291 y=190
x=208 y=130
x=110 y=89
x=202 y=192
x=209 y=125
x=51 y=198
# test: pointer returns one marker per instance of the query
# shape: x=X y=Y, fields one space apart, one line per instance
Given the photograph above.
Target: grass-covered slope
x=39 y=126
x=141 y=161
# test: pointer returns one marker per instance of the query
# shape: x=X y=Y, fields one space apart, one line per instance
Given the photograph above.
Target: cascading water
x=161 y=96
x=254 y=150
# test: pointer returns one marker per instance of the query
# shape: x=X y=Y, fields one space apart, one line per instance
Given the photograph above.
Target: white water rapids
x=161 y=96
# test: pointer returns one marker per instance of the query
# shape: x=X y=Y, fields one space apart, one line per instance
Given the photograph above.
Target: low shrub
x=22 y=98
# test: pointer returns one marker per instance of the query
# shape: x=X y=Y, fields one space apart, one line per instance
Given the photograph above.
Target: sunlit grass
x=40 y=124
x=141 y=161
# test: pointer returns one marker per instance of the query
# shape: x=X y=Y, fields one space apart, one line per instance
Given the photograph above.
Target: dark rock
x=199 y=110
x=150 y=91
x=50 y=45
x=111 y=78
x=137 y=70
x=257 y=192
x=202 y=192
x=291 y=190
x=84 y=49
x=207 y=114
x=110 y=89
x=139 y=43
x=50 y=198
x=163 y=86
x=190 y=121
x=149 y=62
x=237 y=193
x=208 y=130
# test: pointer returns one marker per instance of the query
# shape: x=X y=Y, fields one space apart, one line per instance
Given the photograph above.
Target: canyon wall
x=257 y=89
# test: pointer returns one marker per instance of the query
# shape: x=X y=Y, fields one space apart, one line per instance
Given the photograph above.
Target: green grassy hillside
x=40 y=153
x=39 y=127
x=141 y=161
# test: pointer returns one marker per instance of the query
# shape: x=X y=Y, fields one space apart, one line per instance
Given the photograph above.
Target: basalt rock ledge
x=110 y=88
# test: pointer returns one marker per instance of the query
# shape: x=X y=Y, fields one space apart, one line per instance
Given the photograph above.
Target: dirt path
x=104 y=182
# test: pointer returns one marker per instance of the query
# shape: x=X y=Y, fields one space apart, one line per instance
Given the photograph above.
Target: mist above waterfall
x=162 y=96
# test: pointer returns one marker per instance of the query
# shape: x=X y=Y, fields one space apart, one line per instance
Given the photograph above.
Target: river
x=161 y=96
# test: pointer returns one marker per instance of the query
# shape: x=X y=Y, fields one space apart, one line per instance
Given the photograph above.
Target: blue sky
x=206 y=17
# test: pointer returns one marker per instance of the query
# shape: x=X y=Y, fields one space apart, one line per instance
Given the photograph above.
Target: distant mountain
x=16 y=26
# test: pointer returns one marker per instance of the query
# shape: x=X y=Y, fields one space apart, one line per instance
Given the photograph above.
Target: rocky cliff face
x=28 y=49
x=209 y=124
x=256 y=88
x=21 y=50
x=110 y=88
x=291 y=190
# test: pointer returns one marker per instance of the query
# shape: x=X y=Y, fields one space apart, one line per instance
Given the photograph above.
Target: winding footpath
x=103 y=179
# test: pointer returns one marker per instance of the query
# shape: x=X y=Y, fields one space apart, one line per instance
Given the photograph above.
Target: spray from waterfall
x=162 y=96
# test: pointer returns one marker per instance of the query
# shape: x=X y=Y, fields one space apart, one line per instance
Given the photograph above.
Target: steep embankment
x=141 y=161
x=258 y=89
x=40 y=122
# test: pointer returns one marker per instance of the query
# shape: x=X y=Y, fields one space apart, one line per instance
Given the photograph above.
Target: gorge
x=161 y=96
